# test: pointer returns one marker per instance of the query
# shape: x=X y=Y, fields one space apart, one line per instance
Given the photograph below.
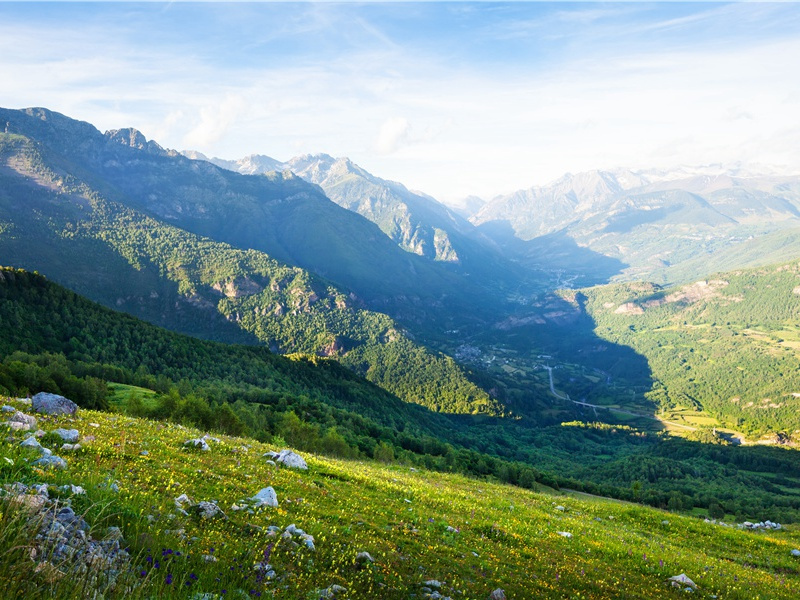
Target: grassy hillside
x=470 y=537
x=727 y=345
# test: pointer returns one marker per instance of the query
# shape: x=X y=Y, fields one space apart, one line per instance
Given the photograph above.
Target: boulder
x=266 y=497
x=198 y=443
x=362 y=558
x=208 y=510
x=27 y=421
x=70 y=436
x=291 y=460
x=32 y=442
x=51 y=461
x=497 y=594
x=682 y=580
x=53 y=404
x=330 y=592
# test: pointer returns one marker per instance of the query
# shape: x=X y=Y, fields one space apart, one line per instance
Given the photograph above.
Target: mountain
x=280 y=214
x=727 y=344
x=656 y=223
x=416 y=222
x=66 y=211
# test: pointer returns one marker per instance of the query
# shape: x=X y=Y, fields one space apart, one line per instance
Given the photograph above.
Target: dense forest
x=54 y=340
x=727 y=345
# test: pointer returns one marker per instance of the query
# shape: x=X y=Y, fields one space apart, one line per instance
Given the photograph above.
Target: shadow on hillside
x=555 y=253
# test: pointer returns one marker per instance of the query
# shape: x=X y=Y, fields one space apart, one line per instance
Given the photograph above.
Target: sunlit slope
x=728 y=344
x=470 y=536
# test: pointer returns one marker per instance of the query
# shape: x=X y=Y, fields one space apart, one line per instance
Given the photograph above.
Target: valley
x=377 y=327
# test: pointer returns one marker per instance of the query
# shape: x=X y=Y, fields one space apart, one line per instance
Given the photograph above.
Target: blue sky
x=448 y=98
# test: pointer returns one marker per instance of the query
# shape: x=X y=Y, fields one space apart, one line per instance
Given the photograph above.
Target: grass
x=506 y=537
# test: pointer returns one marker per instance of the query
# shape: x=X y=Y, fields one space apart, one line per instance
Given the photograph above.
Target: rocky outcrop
x=53 y=404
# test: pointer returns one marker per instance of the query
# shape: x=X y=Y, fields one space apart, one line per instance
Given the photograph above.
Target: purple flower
x=168 y=579
x=143 y=573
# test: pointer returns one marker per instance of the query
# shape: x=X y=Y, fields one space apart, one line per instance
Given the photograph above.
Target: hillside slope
x=114 y=254
x=727 y=344
x=458 y=537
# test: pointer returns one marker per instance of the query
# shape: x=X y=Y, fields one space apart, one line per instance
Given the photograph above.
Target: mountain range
x=661 y=225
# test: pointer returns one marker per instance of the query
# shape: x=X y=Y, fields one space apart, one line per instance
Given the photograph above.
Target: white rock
x=683 y=579
x=565 y=534
x=266 y=497
x=68 y=435
x=291 y=460
x=561 y=508
x=198 y=443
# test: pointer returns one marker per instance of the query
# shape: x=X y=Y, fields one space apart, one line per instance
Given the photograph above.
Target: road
x=596 y=406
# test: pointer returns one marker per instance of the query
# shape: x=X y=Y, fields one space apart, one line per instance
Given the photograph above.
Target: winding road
x=596 y=406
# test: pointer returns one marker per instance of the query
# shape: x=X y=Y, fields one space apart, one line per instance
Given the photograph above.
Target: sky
x=451 y=99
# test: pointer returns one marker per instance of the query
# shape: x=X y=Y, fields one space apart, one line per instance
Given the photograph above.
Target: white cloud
x=215 y=121
x=394 y=133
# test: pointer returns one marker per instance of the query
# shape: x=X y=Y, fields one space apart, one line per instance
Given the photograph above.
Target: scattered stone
x=362 y=558
x=198 y=443
x=451 y=529
x=208 y=510
x=330 y=592
x=144 y=453
x=32 y=442
x=21 y=421
x=665 y=522
x=94 y=424
x=497 y=594
x=758 y=526
x=796 y=553
x=53 y=404
x=70 y=447
x=291 y=460
x=433 y=583
x=560 y=508
x=265 y=497
x=681 y=581
x=8 y=409
x=565 y=534
x=271 y=454
x=51 y=461
x=210 y=558
x=75 y=490
x=68 y=435
x=271 y=462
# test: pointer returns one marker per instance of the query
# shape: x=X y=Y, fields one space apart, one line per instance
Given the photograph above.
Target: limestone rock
x=497 y=594
x=70 y=436
x=51 y=461
x=53 y=404
x=28 y=422
x=198 y=443
x=291 y=460
x=266 y=497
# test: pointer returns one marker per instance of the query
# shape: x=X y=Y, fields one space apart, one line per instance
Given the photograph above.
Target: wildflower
x=168 y=579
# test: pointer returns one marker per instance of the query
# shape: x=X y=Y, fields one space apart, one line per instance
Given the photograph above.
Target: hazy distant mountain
x=414 y=221
x=650 y=220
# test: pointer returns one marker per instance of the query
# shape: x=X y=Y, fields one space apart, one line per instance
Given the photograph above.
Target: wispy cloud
x=451 y=100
